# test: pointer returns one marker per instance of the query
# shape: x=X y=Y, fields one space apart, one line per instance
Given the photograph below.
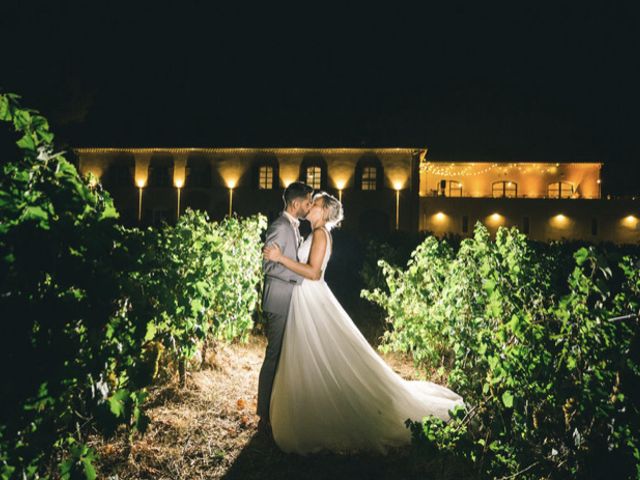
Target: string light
x=447 y=169
x=456 y=171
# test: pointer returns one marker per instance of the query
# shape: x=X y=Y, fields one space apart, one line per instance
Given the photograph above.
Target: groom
x=278 y=287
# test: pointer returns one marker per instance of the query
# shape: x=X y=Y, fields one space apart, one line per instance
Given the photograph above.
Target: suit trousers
x=276 y=323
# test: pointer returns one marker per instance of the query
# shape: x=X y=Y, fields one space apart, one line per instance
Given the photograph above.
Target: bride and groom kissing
x=322 y=386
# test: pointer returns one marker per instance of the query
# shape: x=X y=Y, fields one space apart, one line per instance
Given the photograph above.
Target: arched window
x=313 y=177
x=505 y=188
x=119 y=173
x=560 y=190
x=198 y=173
x=450 y=188
x=265 y=173
x=265 y=177
x=313 y=172
x=369 y=177
x=369 y=174
x=161 y=172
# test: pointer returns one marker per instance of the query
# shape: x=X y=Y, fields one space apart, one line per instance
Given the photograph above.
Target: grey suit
x=276 y=298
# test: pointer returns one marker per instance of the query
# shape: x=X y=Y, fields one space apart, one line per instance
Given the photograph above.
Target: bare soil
x=208 y=430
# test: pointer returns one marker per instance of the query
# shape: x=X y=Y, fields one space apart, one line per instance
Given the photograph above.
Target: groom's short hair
x=295 y=190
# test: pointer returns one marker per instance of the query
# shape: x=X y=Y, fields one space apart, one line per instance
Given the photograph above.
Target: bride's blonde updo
x=333 y=213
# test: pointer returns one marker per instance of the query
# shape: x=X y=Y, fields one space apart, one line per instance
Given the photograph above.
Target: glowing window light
x=265 y=177
x=314 y=177
x=369 y=177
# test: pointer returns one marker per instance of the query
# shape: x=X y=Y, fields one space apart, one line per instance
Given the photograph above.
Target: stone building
x=382 y=189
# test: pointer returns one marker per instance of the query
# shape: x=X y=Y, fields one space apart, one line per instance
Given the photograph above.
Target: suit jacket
x=278 y=280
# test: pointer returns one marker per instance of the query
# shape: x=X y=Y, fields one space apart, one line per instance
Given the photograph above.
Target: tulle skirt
x=332 y=391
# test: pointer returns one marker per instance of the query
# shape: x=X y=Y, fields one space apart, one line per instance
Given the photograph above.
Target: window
x=560 y=190
x=159 y=176
x=161 y=172
x=369 y=173
x=118 y=175
x=265 y=173
x=265 y=177
x=198 y=174
x=453 y=188
x=369 y=178
x=313 y=172
x=505 y=188
x=313 y=177
x=465 y=224
x=450 y=188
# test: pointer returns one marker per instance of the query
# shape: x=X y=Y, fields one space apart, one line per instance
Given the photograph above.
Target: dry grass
x=208 y=430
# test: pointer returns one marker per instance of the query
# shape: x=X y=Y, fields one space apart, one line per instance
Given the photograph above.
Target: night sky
x=518 y=83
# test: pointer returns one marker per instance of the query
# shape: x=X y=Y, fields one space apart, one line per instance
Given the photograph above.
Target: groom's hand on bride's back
x=272 y=252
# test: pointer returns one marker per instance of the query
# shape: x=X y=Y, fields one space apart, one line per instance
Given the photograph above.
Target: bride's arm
x=312 y=269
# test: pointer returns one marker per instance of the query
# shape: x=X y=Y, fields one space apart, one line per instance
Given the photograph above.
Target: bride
x=332 y=391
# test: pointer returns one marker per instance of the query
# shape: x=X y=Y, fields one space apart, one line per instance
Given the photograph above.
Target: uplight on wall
x=231 y=184
x=631 y=221
x=92 y=179
x=440 y=218
x=286 y=181
x=559 y=221
x=141 y=183
x=179 y=182
x=340 y=185
x=495 y=219
x=398 y=187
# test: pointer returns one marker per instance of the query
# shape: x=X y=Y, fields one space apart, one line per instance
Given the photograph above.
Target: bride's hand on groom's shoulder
x=272 y=252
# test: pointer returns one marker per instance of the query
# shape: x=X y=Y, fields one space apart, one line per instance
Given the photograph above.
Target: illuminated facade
x=374 y=184
x=382 y=189
x=546 y=201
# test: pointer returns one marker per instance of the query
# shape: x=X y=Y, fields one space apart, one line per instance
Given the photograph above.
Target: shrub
x=547 y=378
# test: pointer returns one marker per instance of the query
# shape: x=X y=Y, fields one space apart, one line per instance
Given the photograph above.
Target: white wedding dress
x=332 y=391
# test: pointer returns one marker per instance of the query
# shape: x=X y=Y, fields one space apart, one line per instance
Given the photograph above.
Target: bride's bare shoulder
x=322 y=233
x=318 y=234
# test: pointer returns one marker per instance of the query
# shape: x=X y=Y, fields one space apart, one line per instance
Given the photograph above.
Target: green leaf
x=7 y=472
x=581 y=256
x=89 y=470
x=27 y=142
x=36 y=213
x=151 y=331
x=4 y=108
x=109 y=211
x=507 y=399
x=117 y=402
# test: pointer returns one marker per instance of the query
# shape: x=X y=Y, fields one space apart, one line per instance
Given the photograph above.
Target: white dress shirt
x=295 y=223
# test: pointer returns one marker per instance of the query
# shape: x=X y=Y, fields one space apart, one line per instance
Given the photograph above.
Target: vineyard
x=542 y=343
x=541 y=340
x=93 y=311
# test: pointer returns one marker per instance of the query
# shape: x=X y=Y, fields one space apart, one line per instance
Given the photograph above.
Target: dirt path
x=208 y=430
